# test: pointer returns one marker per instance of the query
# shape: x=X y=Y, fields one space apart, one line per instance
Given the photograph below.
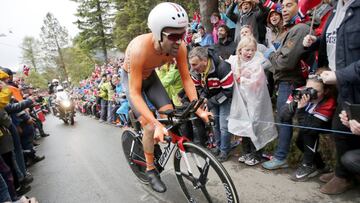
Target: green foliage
x=30 y=52
x=79 y=64
x=131 y=18
x=95 y=20
x=36 y=79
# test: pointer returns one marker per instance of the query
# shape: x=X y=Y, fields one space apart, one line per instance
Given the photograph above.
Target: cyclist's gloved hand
x=160 y=132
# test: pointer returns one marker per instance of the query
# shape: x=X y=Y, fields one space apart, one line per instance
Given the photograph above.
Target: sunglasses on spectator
x=174 y=37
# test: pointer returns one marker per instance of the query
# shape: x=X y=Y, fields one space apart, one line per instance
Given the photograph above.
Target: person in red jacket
x=314 y=106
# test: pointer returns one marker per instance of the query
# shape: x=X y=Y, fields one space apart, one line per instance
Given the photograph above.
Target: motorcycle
x=66 y=111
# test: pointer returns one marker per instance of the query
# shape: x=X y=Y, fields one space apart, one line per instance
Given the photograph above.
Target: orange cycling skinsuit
x=144 y=54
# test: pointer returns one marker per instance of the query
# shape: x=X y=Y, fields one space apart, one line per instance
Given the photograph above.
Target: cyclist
x=167 y=22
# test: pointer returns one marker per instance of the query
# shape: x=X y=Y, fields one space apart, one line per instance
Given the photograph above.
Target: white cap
x=164 y=15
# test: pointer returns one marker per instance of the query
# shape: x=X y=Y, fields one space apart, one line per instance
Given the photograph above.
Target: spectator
x=246 y=31
x=170 y=78
x=202 y=38
x=216 y=21
x=226 y=46
x=314 y=110
x=274 y=35
x=288 y=74
x=251 y=11
x=104 y=95
x=214 y=79
x=339 y=49
x=228 y=22
x=275 y=29
x=251 y=102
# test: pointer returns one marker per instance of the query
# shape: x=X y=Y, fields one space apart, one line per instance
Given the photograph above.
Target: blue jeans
x=103 y=110
x=18 y=150
x=6 y=176
x=110 y=115
x=27 y=138
x=4 y=193
x=222 y=135
x=285 y=132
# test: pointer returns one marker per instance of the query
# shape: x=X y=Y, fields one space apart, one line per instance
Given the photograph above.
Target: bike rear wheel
x=206 y=180
x=134 y=154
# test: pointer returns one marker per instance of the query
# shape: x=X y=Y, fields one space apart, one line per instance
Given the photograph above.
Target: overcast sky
x=20 y=18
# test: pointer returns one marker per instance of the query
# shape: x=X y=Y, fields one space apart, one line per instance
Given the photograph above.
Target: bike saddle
x=168 y=112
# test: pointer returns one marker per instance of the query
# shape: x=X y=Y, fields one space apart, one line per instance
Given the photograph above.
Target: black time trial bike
x=200 y=175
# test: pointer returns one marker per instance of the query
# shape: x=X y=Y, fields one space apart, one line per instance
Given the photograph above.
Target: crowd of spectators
x=21 y=118
x=305 y=58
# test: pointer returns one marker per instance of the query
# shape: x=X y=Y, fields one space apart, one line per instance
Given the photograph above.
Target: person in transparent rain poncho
x=251 y=115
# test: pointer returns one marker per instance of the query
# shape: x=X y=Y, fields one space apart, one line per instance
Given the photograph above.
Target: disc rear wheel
x=134 y=154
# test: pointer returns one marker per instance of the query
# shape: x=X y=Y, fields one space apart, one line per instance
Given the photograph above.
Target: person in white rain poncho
x=251 y=115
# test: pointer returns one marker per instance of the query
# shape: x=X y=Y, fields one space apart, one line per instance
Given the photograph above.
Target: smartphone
x=353 y=111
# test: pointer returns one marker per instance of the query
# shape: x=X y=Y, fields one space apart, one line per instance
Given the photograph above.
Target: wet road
x=85 y=163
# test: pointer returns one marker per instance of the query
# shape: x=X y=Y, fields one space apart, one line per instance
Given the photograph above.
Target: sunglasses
x=174 y=37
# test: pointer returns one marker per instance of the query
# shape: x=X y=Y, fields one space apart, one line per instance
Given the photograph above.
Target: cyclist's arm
x=135 y=86
x=187 y=82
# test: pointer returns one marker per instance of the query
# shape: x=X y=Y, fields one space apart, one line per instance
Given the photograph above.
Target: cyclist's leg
x=148 y=140
x=157 y=95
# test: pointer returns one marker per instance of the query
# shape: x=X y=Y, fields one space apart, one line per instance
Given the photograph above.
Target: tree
x=31 y=52
x=54 y=38
x=36 y=79
x=131 y=18
x=79 y=64
x=95 y=20
x=207 y=7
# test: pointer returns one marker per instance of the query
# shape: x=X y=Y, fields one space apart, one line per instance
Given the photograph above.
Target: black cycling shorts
x=152 y=88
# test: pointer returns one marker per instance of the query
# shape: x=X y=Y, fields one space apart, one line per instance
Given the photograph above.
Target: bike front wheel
x=202 y=177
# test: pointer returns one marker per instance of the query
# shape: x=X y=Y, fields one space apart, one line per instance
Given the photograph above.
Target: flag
x=26 y=70
x=306 y=5
x=38 y=112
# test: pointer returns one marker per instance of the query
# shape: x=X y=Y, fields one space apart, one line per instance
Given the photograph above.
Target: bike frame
x=176 y=142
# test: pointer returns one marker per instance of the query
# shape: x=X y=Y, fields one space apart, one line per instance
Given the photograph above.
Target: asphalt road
x=85 y=163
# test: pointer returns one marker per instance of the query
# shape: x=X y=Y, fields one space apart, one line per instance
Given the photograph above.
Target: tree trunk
x=33 y=63
x=102 y=34
x=62 y=63
x=207 y=7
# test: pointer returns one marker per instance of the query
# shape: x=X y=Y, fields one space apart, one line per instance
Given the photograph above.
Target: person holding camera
x=313 y=105
x=339 y=49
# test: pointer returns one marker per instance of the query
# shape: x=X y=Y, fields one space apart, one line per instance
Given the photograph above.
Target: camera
x=298 y=93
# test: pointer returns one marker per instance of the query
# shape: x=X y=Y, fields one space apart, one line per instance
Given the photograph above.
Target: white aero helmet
x=55 y=80
x=164 y=15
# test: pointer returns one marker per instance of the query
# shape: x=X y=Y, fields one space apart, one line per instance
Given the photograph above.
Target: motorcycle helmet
x=55 y=82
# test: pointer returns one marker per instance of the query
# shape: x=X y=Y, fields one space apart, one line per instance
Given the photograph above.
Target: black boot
x=27 y=179
x=44 y=134
x=155 y=181
x=23 y=189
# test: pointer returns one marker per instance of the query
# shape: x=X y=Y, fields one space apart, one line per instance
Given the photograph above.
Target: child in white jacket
x=251 y=115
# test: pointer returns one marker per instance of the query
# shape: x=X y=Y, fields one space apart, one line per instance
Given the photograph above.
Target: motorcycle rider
x=60 y=96
x=52 y=86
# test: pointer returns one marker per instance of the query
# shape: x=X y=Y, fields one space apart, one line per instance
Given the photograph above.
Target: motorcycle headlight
x=66 y=103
